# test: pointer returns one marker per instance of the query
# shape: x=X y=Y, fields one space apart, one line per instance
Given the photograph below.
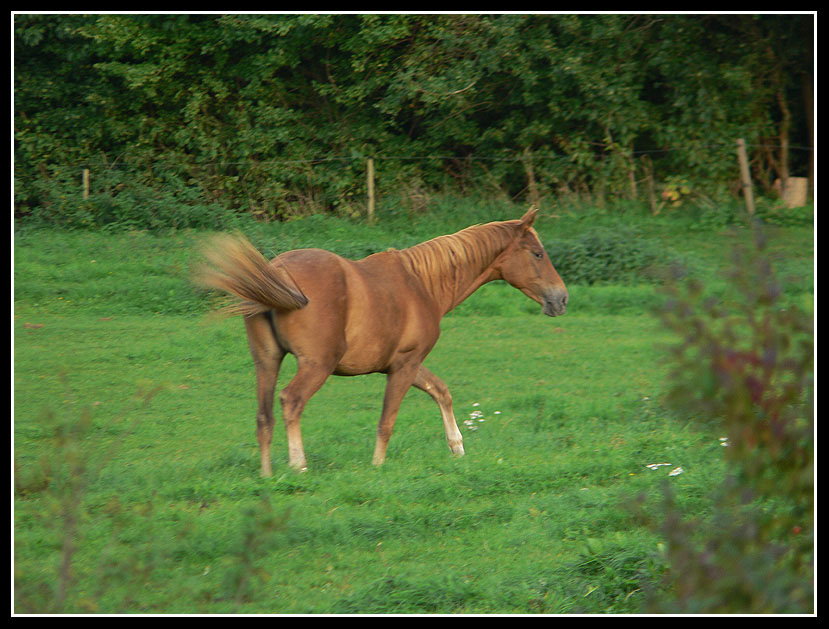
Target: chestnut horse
x=379 y=314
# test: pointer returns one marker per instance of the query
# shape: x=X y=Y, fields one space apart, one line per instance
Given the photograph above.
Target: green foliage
x=274 y=115
x=746 y=366
x=245 y=573
x=611 y=575
x=116 y=205
x=59 y=481
x=778 y=214
x=611 y=255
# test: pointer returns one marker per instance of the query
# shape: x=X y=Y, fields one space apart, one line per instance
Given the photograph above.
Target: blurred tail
x=234 y=265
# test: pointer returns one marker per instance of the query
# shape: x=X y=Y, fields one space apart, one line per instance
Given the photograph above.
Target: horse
x=379 y=314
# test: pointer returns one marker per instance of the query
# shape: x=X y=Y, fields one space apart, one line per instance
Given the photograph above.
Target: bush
x=746 y=367
x=778 y=214
x=117 y=203
x=613 y=255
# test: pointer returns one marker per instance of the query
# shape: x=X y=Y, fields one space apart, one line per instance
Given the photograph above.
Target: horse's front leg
x=437 y=389
x=397 y=383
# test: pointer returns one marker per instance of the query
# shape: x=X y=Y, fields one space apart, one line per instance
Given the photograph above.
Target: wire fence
x=524 y=157
x=516 y=158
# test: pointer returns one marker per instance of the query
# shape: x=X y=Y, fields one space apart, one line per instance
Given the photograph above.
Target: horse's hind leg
x=310 y=376
x=435 y=387
x=267 y=357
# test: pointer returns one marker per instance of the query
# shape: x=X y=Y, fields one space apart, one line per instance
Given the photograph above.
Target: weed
x=746 y=365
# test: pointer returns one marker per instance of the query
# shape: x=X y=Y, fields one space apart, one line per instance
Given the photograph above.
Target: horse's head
x=526 y=266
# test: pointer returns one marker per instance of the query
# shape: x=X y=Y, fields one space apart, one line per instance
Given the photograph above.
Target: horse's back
x=363 y=314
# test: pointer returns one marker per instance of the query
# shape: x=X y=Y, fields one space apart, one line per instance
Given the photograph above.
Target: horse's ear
x=528 y=218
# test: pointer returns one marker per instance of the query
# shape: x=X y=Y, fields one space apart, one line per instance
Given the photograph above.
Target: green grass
x=136 y=482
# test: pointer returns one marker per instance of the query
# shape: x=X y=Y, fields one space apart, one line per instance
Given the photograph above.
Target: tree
x=275 y=114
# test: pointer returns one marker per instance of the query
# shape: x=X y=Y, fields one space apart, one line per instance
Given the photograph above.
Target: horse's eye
x=538 y=255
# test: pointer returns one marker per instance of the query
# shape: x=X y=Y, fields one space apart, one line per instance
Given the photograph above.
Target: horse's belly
x=369 y=349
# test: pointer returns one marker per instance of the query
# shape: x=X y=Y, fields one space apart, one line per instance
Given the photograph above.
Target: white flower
x=676 y=471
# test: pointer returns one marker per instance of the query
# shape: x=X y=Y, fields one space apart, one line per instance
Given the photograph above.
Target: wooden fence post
x=532 y=186
x=85 y=183
x=745 y=176
x=370 y=178
x=647 y=166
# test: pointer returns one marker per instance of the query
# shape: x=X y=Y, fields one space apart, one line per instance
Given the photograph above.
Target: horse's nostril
x=555 y=303
x=562 y=302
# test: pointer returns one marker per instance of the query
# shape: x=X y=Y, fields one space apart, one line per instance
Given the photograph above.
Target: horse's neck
x=471 y=285
x=453 y=267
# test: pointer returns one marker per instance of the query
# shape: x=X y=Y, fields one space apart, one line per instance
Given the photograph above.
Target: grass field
x=136 y=463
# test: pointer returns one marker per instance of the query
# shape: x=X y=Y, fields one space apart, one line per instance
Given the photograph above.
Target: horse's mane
x=447 y=264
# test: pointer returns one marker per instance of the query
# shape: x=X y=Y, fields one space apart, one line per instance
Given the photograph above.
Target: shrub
x=776 y=213
x=117 y=203
x=746 y=367
x=617 y=255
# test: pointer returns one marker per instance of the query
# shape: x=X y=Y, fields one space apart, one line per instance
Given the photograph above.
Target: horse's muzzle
x=555 y=302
